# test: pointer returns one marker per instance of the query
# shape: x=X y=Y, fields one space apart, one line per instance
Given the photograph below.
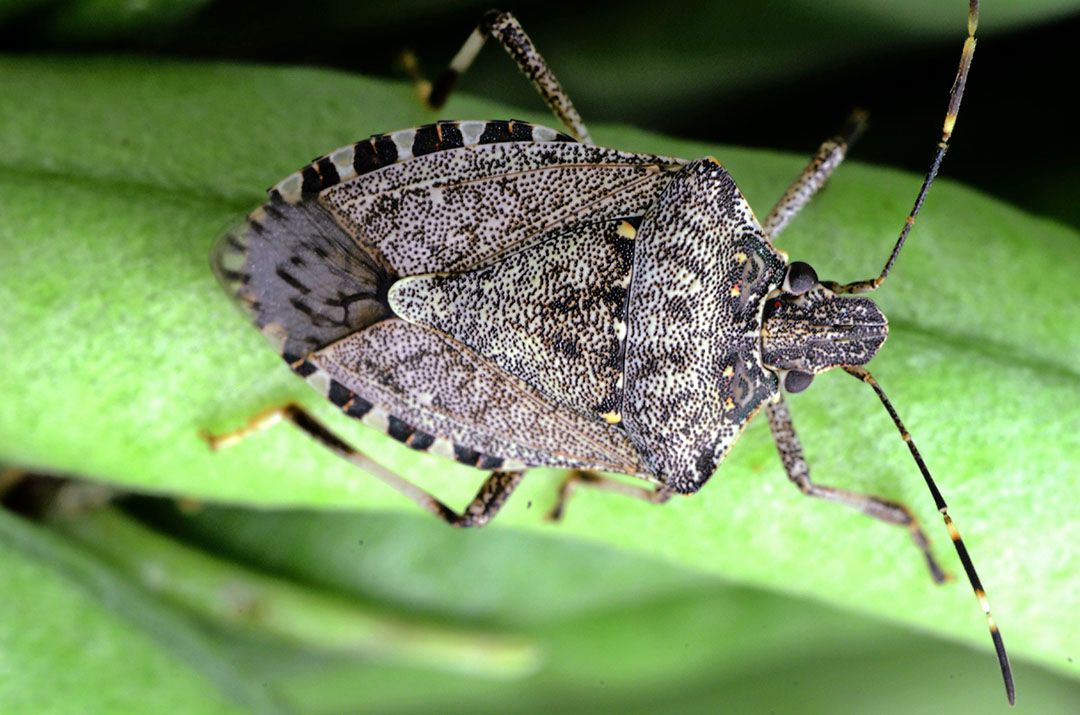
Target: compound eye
x=797 y=381
x=800 y=278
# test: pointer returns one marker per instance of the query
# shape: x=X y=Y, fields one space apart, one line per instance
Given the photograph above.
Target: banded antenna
x=956 y=94
x=961 y=550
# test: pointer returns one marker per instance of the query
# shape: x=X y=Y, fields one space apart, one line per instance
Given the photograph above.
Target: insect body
x=511 y=296
x=512 y=321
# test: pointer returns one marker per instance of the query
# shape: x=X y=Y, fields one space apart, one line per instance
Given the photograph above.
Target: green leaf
x=609 y=631
x=118 y=175
x=75 y=638
x=241 y=599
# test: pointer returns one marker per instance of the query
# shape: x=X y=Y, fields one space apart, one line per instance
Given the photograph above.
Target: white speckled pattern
x=695 y=311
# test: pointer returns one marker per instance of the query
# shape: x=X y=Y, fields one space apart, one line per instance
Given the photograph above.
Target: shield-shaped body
x=500 y=294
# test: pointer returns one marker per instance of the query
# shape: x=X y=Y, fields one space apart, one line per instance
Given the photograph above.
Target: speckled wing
x=314 y=263
x=314 y=267
x=693 y=371
x=458 y=209
x=302 y=279
x=439 y=387
x=552 y=313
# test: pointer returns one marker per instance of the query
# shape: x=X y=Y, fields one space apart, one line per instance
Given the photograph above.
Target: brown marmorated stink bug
x=511 y=296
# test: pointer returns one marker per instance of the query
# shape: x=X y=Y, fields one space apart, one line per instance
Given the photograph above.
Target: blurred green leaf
x=238 y=598
x=118 y=175
x=75 y=637
x=633 y=636
x=616 y=632
x=410 y=562
x=94 y=19
x=14 y=8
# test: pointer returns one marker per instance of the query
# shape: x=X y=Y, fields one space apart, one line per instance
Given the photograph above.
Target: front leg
x=791 y=454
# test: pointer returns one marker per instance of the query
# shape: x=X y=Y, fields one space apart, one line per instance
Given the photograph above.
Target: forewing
x=552 y=313
x=437 y=386
x=303 y=280
x=463 y=208
x=314 y=266
x=314 y=263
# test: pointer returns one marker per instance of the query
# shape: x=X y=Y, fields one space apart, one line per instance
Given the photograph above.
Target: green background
x=270 y=577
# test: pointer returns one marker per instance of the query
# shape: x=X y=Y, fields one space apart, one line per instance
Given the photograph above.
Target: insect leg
x=955 y=95
x=507 y=31
x=791 y=454
x=577 y=477
x=492 y=495
x=814 y=176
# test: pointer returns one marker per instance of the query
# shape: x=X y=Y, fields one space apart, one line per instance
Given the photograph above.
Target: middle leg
x=814 y=176
x=578 y=477
x=791 y=454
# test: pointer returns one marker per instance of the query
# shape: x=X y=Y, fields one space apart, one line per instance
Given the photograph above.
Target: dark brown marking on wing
x=292 y=280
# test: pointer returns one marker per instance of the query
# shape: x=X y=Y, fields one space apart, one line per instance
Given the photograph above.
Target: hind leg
x=492 y=495
x=507 y=31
